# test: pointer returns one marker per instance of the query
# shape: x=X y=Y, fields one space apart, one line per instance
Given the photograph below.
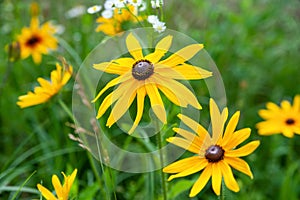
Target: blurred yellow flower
x=284 y=119
x=215 y=154
x=37 y=40
x=62 y=191
x=47 y=89
x=111 y=25
x=146 y=75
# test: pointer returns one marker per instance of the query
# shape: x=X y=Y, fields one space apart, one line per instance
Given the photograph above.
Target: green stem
x=66 y=109
x=222 y=195
x=163 y=178
x=137 y=19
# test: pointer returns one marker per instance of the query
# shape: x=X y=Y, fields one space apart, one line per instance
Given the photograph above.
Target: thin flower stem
x=137 y=19
x=66 y=109
x=163 y=178
x=222 y=195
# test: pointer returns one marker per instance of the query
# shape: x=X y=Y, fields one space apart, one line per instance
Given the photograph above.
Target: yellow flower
x=215 y=154
x=37 y=40
x=146 y=75
x=62 y=191
x=116 y=24
x=284 y=119
x=47 y=89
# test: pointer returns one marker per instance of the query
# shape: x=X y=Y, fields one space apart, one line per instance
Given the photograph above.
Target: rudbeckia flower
x=62 y=191
x=37 y=40
x=215 y=153
x=141 y=75
x=284 y=119
x=116 y=23
x=47 y=89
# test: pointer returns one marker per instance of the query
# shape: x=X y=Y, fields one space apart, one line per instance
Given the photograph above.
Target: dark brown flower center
x=33 y=41
x=290 y=121
x=142 y=69
x=214 y=153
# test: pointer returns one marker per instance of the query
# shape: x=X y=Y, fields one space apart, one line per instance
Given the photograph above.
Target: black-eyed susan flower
x=37 y=40
x=215 y=153
x=47 y=89
x=62 y=191
x=141 y=75
x=114 y=21
x=284 y=119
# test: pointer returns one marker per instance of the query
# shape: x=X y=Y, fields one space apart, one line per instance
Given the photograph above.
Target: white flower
x=94 y=9
x=76 y=11
x=152 y=19
x=135 y=3
x=109 y=5
x=59 y=29
x=156 y=3
x=107 y=14
x=143 y=6
x=120 y=3
x=159 y=26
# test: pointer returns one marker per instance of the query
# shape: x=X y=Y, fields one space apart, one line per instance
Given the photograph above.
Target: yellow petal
x=134 y=47
x=182 y=55
x=112 y=68
x=237 y=138
x=231 y=126
x=181 y=91
x=239 y=164
x=195 y=167
x=185 y=144
x=229 y=179
x=286 y=105
x=218 y=120
x=272 y=106
x=161 y=48
x=125 y=62
x=243 y=151
x=57 y=186
x=182 y=72
x=189 y=136
x=216 y=178
x=156 y=101
x=201 y=182
x=171 y=96
x=141 y=93
x=46 y=193
x=197 y=128
x=181 y=165
x=296 y=103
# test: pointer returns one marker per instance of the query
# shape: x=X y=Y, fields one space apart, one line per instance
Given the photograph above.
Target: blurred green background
x=256 y=46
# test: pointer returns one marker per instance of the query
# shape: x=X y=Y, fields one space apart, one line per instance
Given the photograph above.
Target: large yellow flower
x=43 y=93
x=117 y=23
x=37 y=40
x=146 y=75
x=284 y=119
x=62 y=191
x=215 y=154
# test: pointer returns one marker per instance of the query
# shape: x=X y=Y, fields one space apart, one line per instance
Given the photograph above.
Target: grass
x=256 y=48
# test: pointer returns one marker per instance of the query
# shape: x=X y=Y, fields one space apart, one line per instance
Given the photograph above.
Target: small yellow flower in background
x=215 y=154
x=113 y=21
x=146 y=75
x=284 y=119
x=37 y=40
x=62 y=191
x=47 y=89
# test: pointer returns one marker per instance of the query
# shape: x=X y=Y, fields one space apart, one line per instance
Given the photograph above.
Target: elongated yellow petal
x=57 y=186
x=216 y=178
x=237 y=138
x=156 y=101
x=218 y=120
x=231 y=126
x=296 y=103
x=161 y=48
x=185 y=144
x=197 y=128
x=189 y=136
x=181 y=165
x=229 y=179
x=46 y=193
x=171 y=96
x=243 y=151
x=182 y=55
x=70 y=179
x=182 y=72
x=134 y=47
x=141 y=93
x=195 y=167
x=112 y=68
x=202 y=180
x=181 y=91
x=272 y=106
x=239 y=164
x=123 y=103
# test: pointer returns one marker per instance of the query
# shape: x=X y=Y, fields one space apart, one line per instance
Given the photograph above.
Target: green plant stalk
x=16 y=194
x=223 y=190
x=162 y=174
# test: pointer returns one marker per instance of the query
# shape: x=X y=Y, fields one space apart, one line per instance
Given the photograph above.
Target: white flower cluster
x=156 y=3
x=156 y=24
